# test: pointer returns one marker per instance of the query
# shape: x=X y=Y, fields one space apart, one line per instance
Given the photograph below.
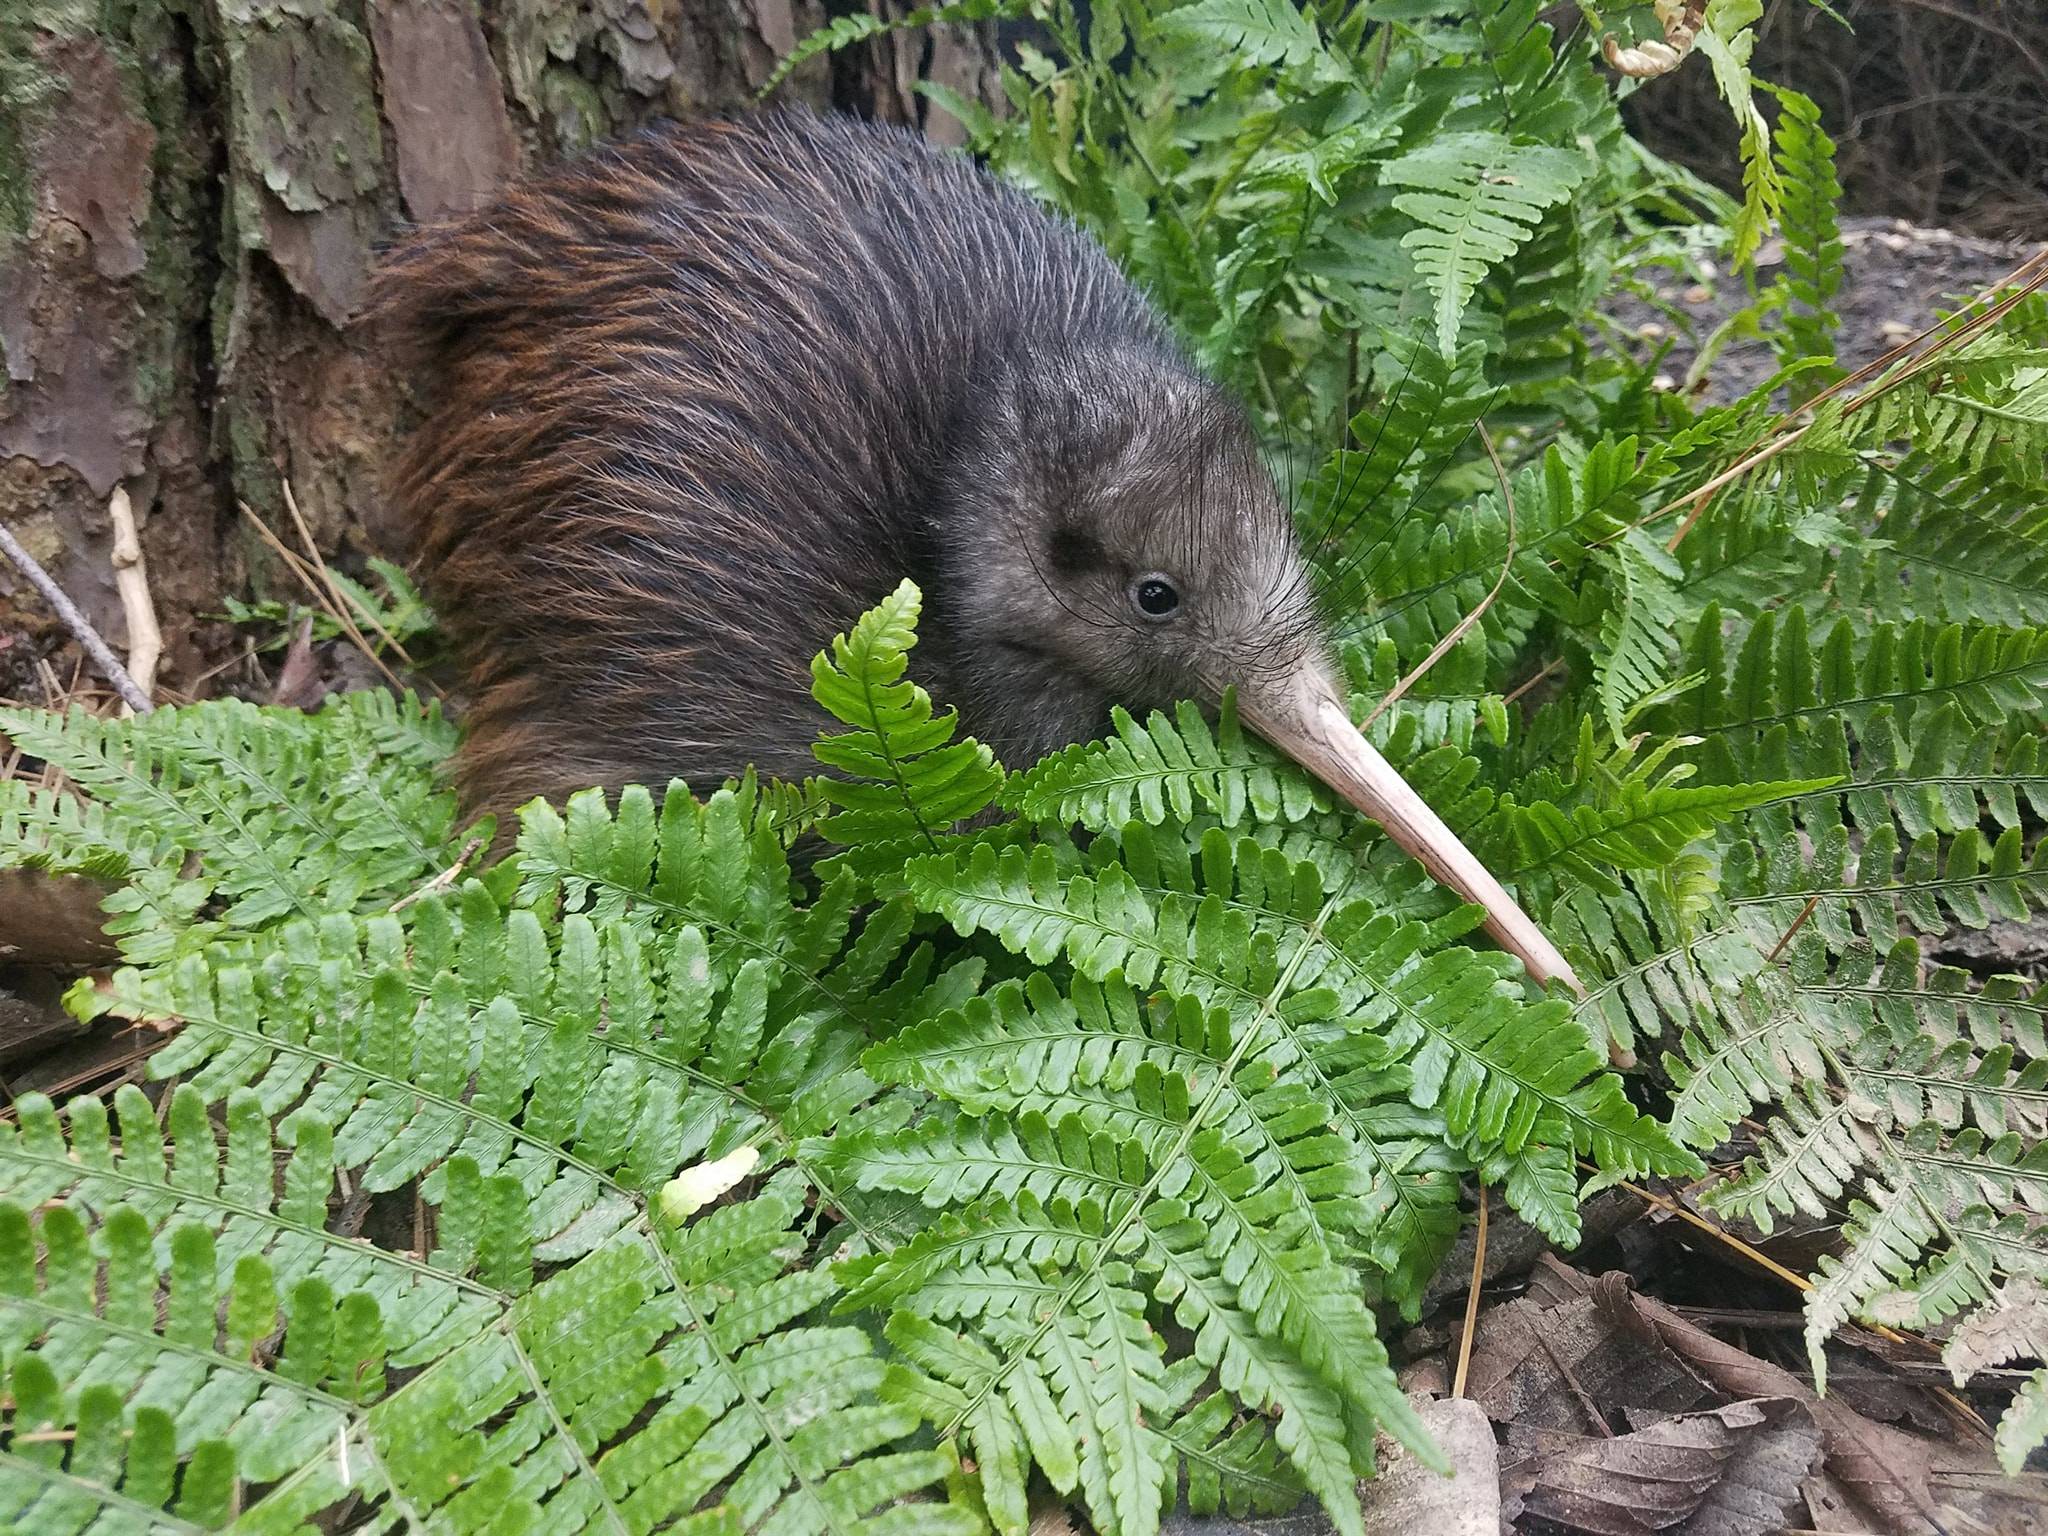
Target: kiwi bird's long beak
x=1301 y=714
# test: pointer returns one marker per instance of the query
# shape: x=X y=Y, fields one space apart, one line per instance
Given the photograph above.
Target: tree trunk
x=192 y=193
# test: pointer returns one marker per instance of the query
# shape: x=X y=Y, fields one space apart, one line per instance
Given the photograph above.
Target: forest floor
x=1656 y=1380
x=1898 y=277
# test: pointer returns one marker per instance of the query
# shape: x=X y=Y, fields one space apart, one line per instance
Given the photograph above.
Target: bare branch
x=81 y=629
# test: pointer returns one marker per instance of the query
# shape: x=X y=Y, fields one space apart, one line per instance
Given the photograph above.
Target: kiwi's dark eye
x=1156 y=597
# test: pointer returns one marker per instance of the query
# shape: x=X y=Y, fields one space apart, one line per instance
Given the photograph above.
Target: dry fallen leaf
x=1735 y=1470
x=1562 y=1364
x=299 y=685
x=1887 y=1468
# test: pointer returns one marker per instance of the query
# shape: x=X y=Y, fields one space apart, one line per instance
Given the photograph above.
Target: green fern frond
x=1062 y=1368
x=1956 y=547
x=1644 y=827
x=1425 y=412
x=1425 y=573
x=1229 y=1463
x=667 y=1382
x=178 y=1175
x=1079 y=1138
x=1989 y=673
x=1984 y=407
x=1174 y=767
x=82 y=1466
x=1064 y=1060
x=1643 y=613
x=1481 y=196
x=1812 y=236
x=1504 y=1072
x=269 y=1376
x=1746 y=561
x=534 y=1123
x=1727 y=41
x=590 y=1059
x=1289 y=1332
x=913 y=783
x=1253 y=33
x=845 y=31
x=283 y=814
x=1919 y=1102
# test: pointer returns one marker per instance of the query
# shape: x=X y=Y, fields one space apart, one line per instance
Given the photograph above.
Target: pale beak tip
x=1306 y=719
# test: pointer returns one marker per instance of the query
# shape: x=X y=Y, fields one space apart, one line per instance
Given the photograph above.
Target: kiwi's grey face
x=1112 y=520
x=1108 y=535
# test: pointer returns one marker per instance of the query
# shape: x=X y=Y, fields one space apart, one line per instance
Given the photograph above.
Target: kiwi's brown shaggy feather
x=691 y=401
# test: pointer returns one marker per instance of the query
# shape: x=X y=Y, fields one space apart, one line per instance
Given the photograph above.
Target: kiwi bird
x=699 y=399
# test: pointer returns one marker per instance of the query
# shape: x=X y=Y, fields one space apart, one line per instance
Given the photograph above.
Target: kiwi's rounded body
x=690 y=400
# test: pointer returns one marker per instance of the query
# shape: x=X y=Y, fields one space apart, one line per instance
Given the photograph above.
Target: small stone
x=1895 y=330
x=1664 y=383
x=1425 y=1376
x=1698 y=293
x=1650 y=330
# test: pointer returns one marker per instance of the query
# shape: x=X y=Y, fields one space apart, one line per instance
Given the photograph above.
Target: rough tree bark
x=191 y=196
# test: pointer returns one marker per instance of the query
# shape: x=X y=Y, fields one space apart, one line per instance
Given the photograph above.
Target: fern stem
x=147 y=1517
x=564 y=1434
x=169 y=1346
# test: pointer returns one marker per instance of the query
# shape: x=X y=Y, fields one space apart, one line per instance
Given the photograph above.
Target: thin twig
x=312 y=584
x=1521 y=688
x=2024 y=279
x=1700 y=503
x=102 y=655
x=1472 y=1300
x=342 y=600
x=131 y=580
x=1957 y=1407
x=1798 y=923
x=1464 y=625
x=1762 y=1260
